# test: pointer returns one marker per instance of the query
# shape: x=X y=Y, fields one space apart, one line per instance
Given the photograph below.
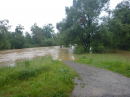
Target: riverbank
x=118 y=63
x=43 y=77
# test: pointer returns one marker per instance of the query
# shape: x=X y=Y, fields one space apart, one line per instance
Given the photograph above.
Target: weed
x=27 y=63
x=75 y=83
x=79 y=78
x=82 y=86
x=60 y=94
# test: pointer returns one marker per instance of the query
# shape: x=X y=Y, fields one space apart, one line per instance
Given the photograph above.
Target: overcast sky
x=27 y=12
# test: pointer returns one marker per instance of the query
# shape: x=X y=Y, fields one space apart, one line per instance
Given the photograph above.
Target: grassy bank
x=114 y=62
x=41 y=77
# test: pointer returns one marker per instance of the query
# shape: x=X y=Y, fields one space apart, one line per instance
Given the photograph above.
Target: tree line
x=85 y=28
x=39 y=37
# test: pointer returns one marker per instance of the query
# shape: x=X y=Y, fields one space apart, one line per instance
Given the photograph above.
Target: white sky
x=27 y=12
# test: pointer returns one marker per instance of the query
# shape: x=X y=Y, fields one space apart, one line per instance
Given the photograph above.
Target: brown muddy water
x=9 y=57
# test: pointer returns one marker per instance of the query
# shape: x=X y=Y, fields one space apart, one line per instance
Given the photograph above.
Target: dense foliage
x=85 y=27
x=16 y=40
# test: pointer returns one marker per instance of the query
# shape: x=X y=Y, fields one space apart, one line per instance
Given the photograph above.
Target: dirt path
x=96 y=82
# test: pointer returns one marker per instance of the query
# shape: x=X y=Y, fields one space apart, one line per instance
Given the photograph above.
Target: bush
x=49 y=42
x=98 y=49
x=79 y=49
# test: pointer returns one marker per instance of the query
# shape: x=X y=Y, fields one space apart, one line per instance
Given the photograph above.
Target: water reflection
x=8 y=57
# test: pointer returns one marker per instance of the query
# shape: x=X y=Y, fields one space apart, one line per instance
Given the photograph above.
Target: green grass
x=113 y=62
x=40 y=77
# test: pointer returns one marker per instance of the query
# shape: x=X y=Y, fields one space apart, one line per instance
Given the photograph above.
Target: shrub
x=98 y=49
x=79 y=49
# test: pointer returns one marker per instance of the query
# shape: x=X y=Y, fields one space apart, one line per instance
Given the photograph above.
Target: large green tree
x=28 y=40
x=17 y=38
x=38 y=35
x=19 y=29
x=4 y=41
x=48 y=30
x=119 y=25
x=81 y=23
x=43 y=36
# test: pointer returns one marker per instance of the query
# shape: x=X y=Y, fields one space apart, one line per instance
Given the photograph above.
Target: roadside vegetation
x=113 y=62
x=40 y=77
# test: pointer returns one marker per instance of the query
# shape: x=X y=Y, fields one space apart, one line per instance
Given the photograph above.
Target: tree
x=4 y=41
x=18 y=40
x=28 y=40
x=48 y=31
x=38 y=35
x=43 y=36
x=19 y=29
x=81 y=23
x=119 y=25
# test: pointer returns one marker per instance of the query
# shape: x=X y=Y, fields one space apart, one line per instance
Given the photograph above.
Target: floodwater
x=9 y=57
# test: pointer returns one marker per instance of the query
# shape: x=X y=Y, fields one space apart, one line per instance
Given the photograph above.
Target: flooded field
x=8 y=57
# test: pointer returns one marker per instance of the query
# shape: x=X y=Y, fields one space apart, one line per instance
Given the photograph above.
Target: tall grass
x=116 y=63
x=41 y=77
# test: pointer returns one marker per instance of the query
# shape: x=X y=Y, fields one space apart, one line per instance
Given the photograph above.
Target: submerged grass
x=41 y=77
x=114 y=62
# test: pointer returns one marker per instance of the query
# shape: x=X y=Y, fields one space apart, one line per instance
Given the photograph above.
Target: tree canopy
x=82 y=25
x=17 y=40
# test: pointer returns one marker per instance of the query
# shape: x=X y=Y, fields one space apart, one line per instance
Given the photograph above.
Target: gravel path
x=96 y=82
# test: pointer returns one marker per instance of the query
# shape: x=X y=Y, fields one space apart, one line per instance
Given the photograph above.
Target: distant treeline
x=39 y=37
x=85 y=27
x=82 y=26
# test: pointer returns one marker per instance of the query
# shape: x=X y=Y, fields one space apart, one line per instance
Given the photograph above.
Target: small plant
x=82 y=86
x=27 y=63
x=79 y=78
x=60 y=94
x=75 y=83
